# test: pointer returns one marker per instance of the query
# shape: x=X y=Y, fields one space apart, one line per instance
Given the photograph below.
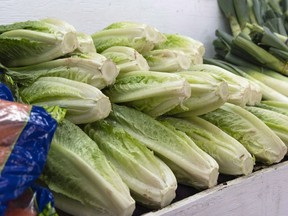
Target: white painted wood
x=196 y=18
x=264 y=193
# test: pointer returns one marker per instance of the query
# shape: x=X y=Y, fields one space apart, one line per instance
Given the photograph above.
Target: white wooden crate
x=264 y=192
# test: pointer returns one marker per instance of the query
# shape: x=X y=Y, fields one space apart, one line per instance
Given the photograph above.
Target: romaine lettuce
x=232 y=157
x=190 y=164
x=150 y=180
x=139 y=36
x=154 y=93
x=31 y=42
x=249 y=130
x=78 y=172
x=93 y=69
x=84 y=103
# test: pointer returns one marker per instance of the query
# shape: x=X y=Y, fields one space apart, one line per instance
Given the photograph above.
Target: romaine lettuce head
x=31 y=42
x=154 y=93
x=93 y=69
x=139 y=36
x=78 y=172
x=126 y=58
x=168 y=60
x=239 y=87
x=84 y=103
x=232 y=157
x=208 y=92
x=190 y=164
x=277 y=122
x=249 y=130
x=150 y=180
x=193 y=48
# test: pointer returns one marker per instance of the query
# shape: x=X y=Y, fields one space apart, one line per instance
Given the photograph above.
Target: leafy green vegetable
x=242 y=90
x=78 y=172
x=139 y=36
x=208 y=92
x=84 y=103
x=168 y=60
x=85 y=44
x=271 y=88
x=150 y=180
x=227 y=7
x=154 y=93
x=93 y=69
x=56 y=112
x=249 y=130
x=126 y=58
x=266 y=92
x=239 y=88
x=31 y=42
x=278 y=106
x=275 y=121
x=264 y=76
x=190 y=164
x=242 y=12
x=256 y=53
x=191 y=47
x=232 y=156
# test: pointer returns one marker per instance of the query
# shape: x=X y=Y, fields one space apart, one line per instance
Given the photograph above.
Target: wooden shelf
x=264 y=192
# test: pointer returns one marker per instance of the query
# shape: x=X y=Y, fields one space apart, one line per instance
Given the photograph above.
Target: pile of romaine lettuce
x=143 y=113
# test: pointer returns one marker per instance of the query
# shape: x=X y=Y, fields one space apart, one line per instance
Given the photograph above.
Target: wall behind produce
x=195 y=18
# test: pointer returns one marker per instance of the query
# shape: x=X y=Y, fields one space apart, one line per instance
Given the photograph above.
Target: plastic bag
x=25 y=135
x=34 y=201
x=5 y=93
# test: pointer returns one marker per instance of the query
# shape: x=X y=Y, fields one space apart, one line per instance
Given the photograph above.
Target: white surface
x=195 y=18
x=263 y=193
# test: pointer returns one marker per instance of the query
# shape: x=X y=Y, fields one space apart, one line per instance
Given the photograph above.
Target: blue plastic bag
x=5 y=93
x=26 y=132
x=36 y=200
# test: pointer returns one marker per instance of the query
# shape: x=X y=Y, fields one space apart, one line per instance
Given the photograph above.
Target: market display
x=123 y=116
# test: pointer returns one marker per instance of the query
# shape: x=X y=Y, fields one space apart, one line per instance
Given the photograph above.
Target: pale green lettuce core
x=93 y=69
x=85 y=43
x=190 y=164
x=78 y=173
x=168 y=60
x=150 y=180
x=139 y=36
x=84 y=103
x=126 y=58
x=232 y=157
x=208 y=92
x=154 y=93
x=249 y=130
x=32 y=42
